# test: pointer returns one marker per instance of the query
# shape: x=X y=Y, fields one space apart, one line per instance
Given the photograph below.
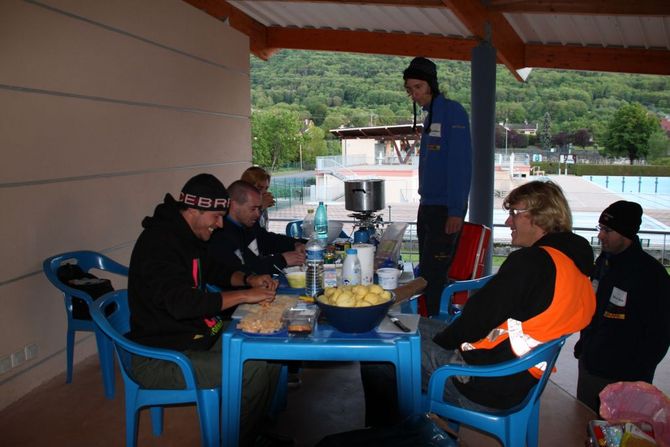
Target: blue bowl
x=355 y=319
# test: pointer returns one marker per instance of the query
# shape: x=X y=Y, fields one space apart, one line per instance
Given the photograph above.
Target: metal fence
x=655 y=242
x=290 y=191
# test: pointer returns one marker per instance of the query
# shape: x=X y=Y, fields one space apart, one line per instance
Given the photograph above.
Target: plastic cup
x=388 y=278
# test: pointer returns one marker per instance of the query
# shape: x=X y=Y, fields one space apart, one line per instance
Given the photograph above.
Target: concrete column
x=483 y=100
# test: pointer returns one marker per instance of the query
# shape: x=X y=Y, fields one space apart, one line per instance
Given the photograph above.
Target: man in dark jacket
x=171 y=308
x=541 y=292
x=243 y=243
x=445 y=165
x=630 y=331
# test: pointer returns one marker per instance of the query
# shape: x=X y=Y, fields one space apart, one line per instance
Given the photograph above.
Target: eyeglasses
x=603 y=228
x=515 y=212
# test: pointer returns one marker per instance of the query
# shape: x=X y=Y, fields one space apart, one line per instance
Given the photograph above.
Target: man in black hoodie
x=541 y=292
x=171 y=308
x=630 y=331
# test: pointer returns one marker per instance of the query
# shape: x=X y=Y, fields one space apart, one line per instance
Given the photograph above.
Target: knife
x=397 y=322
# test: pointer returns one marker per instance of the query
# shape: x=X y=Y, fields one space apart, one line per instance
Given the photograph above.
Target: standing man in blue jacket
x=630 y=331
x=445 y=168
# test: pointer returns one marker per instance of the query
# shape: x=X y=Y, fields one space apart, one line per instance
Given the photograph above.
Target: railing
x=340 y=162
x=290 y=191
x=655 y=242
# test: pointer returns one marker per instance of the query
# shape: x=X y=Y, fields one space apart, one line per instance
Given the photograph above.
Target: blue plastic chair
x=86 y=260
x=514 y=427
x=448 y=312
x=208 y=400
x=294 y=228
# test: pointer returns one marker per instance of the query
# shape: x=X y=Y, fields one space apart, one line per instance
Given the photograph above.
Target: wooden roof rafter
x=475 y=17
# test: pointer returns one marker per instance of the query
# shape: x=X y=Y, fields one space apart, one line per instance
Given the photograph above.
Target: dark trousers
x=589 y=387
x=436 y=251
x=381 y=394
x=259 y=382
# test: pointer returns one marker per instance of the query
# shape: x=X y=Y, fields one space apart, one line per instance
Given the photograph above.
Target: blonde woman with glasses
x=541 y=292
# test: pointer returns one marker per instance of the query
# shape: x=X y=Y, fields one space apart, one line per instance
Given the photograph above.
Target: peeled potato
x=355 y=296
x=359 y=290
x=375 y=288
x=372 y=298
x=346 y=300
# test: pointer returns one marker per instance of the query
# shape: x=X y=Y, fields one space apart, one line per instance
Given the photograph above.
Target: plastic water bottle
x=314 y=273
x=308 y=224
x=351 y=269
x=321 y=224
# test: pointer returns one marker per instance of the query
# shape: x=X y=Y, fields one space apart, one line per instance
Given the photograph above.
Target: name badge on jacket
x=435 y=130
x=616 y=308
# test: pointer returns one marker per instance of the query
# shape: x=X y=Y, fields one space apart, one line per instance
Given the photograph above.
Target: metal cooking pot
x=364 y=195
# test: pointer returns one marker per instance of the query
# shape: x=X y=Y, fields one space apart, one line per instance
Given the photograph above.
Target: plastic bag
x=638 y=402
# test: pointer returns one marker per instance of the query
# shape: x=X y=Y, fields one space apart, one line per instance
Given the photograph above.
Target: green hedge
x=615 y=170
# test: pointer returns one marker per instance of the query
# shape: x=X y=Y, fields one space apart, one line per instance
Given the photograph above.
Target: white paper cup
x=388 y=278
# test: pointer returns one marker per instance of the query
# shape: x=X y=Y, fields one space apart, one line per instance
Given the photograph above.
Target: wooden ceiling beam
x=586 y=7
x=264 y=41
x=475 y=16
x=618 y=60
x=396 y=44
x=256 y=31
x=412 y=3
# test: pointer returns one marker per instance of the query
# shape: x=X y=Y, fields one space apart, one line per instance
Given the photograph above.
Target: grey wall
x=104 y=107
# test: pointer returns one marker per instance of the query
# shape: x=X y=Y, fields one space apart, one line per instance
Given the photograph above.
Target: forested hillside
x=365 y=88
x=334 y=89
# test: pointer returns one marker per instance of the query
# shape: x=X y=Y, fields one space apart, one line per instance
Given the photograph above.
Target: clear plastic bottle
x=308 y=224
x=351 y=269
x=314 y=273
x=321 y=224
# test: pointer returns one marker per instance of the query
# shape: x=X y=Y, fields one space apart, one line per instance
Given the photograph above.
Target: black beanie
x=623 y=217
x=425 y=70
x=204 y=192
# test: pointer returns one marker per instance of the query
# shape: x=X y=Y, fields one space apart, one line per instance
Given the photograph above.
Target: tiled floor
x=329 y=401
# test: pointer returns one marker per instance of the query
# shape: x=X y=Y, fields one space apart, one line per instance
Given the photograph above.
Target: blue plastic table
x=324 y=344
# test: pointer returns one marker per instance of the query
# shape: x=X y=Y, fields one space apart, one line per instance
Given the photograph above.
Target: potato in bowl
x=355 y=309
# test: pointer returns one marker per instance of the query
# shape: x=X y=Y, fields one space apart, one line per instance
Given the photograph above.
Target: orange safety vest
x=571 y=309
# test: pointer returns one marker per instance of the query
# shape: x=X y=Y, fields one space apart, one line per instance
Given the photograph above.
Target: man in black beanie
x=445 y=167
x=170 y=306
x=630 y=330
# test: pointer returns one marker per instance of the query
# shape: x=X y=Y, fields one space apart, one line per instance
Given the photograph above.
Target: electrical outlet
x=18 y=358
x=5 y=364
x=31 y=351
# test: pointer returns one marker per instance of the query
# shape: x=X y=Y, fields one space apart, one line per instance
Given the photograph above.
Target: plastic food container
x=300 y=319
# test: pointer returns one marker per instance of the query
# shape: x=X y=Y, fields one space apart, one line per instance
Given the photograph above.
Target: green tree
x=545 y=131
x=582 y=138
x=318 y=107
x=275 y=137
x=628 y=132
x=659 y=145
x=313 y=145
